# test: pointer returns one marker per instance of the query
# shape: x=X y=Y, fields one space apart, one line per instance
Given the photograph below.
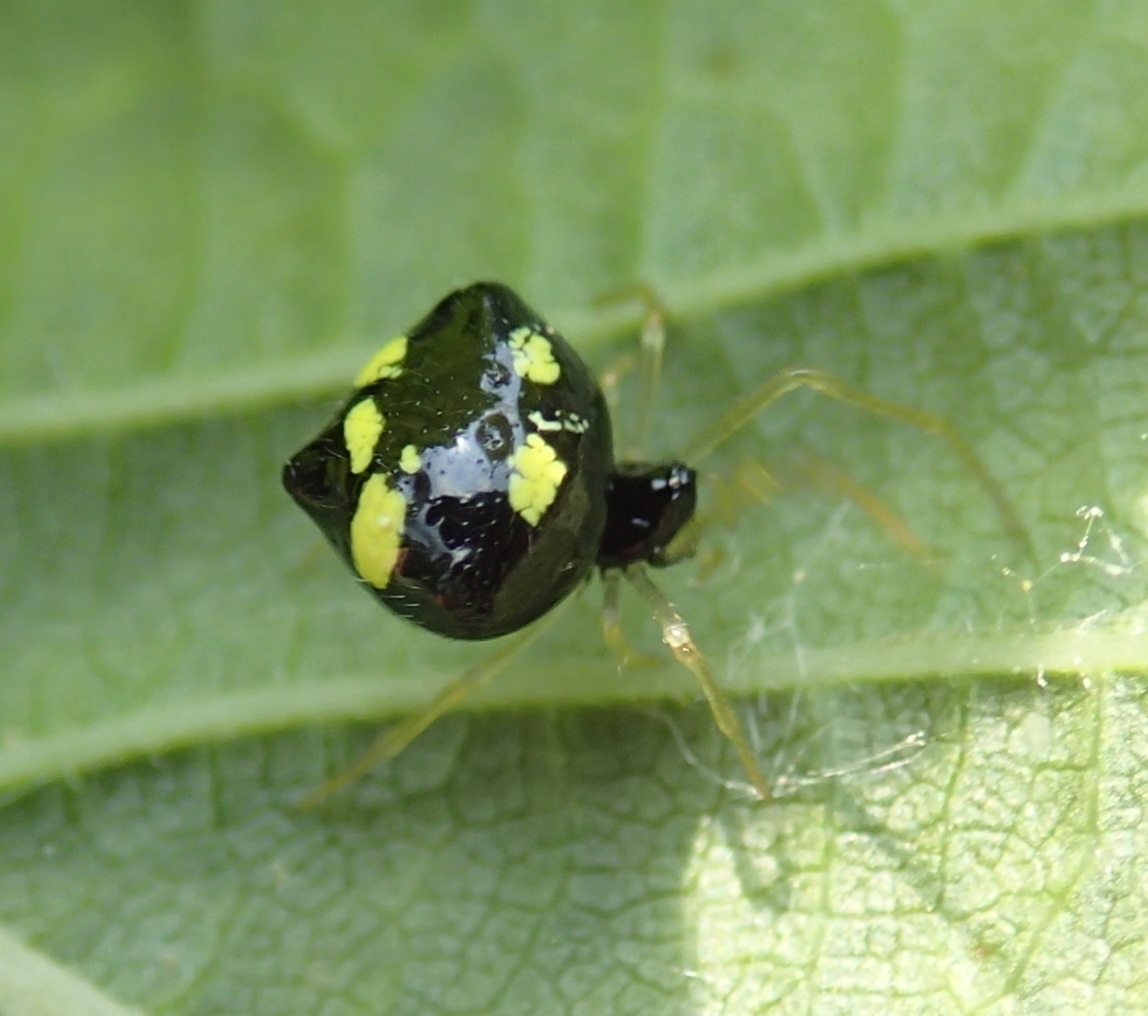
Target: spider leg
x=806 y=470
x=651 y=349
x=395 y=739
x=610 y=378
x=677 y=636
x=792 y=378
x=612 y=633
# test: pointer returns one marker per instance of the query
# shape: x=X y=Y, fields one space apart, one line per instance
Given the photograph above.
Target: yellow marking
x=573 y=423
x=410 y=461
x=387 y=362
x=361 y=429
x=534 y=356
x=541 y=423
x=377 y=531
x=536 y=474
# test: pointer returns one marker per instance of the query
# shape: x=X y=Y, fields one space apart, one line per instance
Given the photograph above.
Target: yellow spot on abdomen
x=534 y=356
x=387 y=362
x=536 y=474
x=377 y=531
x=409 y=460
x=361 y=429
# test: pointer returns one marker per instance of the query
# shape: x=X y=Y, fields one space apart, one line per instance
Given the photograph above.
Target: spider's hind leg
x=395 y=739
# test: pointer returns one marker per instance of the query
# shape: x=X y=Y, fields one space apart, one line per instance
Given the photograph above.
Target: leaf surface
x=211 y=213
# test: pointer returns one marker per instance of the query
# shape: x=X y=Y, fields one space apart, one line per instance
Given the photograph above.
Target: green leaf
x=211 y=213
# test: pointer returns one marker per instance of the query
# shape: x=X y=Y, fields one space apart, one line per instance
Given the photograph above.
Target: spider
x=469 y=482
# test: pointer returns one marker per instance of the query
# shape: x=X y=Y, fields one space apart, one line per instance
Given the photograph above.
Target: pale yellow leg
x=756 y=483
x=677 y=636
x=793 y=378
x=813 y=472
x=394 y=740
x=652 y=348
x=610 y=379
x=612 y=633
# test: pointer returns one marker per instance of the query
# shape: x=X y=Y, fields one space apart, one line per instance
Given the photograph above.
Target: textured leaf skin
x=211 y=213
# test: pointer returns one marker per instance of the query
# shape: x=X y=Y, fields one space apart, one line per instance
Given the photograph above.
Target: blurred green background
x=211 y=213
